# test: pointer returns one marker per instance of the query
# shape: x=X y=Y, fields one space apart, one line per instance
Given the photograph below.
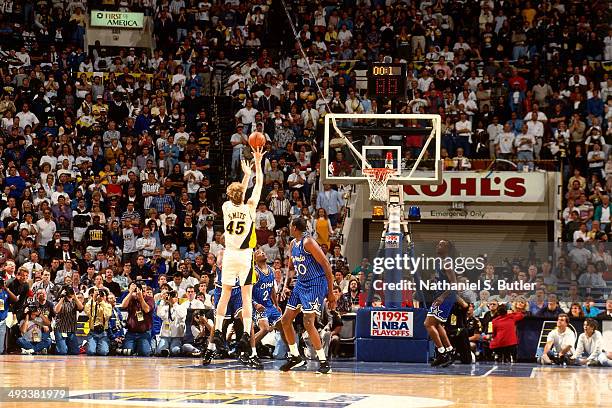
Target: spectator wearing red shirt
x=504 y=341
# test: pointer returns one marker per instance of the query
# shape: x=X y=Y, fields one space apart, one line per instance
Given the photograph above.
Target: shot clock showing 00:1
x=387 y=80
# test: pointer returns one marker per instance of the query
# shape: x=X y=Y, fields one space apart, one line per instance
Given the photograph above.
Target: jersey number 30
x=237 y=229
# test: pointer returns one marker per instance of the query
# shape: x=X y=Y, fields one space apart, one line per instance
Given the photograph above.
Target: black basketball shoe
x=256 y=363
x=208 y=356
x=324 y=367
x=293 y=362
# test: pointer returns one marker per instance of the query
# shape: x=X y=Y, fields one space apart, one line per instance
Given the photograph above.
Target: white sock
x=212 y=346
x=248 y=323
x=253 y=352
x=321 y=355
x=449 y=349
x=441 y=350
x=219 y=322
x=293 y=350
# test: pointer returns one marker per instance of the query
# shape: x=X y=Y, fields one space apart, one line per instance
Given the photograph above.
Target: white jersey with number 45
x=239 y=226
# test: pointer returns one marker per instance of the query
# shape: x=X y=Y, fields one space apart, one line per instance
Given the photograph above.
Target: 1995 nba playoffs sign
x=387 y=323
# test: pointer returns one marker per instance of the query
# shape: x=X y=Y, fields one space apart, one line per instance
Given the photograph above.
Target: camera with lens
x=102 y=292
x=32 y=307
x=172 y=294
x=139 y=284
x=98 y=329
x=67 y=291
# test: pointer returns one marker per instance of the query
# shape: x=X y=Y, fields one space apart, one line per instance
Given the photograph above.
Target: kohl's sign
x=477 y=187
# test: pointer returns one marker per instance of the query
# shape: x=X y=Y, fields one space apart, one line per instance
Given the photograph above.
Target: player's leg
x=310 y=320
x=247 y=277
x=443 y=336
x=254 y=361
x=287 y=324
x=264 y=328
x=295 y=360
x=226 y=293
x=431 y=324
x=212 y=347
x=247 y=315
x=436 y=331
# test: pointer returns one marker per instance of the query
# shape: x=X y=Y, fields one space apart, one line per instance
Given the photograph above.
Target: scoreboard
x=386 y=80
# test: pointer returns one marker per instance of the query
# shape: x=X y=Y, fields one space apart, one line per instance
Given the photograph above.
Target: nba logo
x=376 y=319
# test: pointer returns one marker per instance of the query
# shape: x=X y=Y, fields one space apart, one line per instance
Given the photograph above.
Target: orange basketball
x=257 y=139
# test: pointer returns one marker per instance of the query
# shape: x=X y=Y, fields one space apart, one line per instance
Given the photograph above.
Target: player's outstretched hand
x=258 y=154
x=246 y=167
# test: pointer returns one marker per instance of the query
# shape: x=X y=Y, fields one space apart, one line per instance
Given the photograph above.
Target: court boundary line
x=489 y=372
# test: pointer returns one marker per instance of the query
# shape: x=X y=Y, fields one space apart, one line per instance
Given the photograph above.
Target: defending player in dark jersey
x=314 y=283
x=266 y=312
x=440 y=310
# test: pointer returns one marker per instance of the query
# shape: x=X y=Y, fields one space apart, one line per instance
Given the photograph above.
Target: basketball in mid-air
x=257 y=139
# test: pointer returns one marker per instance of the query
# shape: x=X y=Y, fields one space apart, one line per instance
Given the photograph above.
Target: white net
x=377 y=178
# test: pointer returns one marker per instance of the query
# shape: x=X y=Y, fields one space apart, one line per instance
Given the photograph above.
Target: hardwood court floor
x=157 y=382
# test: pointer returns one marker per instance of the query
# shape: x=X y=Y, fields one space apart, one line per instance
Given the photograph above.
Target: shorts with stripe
x=234 y=306
x=442 y=310
x=308 y=296
x=238 y=264
x=271 y=314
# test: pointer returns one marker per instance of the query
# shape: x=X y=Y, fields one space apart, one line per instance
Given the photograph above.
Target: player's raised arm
x=246 y=169
x=255 y=196
x=315 y=250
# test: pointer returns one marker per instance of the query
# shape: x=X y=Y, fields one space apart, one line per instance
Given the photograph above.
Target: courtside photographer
x=66 y=310
x=99 y=311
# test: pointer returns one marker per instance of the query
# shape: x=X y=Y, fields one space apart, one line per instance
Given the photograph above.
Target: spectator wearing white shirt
x=560 y=342
x=463 y=128
x=271 y=249
x=46 y=228
x=588 y=347
x=246 y=115
x=424 y=81
x=193 y=177
x=146 y=244
x=173 y=317
x=525 y=143
x=23 y=57
x=493 y=130
x=460 y=162
x=536 y=128
x=581 y=233
x=591 y=278
x=596 y=159
x=27 y=118
x=238 y=140
x=504 y=143
x=179 y=284
x=264 y=214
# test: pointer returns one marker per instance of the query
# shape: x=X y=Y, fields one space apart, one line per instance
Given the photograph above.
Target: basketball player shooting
x=314 y=283
x=440 y=311
x=240 y=239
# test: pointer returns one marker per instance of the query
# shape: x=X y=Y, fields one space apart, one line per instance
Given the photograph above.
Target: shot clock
x=387 y=80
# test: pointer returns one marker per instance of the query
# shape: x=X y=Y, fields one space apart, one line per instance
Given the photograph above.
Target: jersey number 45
x=236 y=229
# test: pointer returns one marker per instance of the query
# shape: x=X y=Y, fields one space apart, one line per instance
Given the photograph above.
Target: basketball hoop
x=377 y=178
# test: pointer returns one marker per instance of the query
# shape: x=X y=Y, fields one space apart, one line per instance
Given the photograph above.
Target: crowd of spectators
x=105 y=164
